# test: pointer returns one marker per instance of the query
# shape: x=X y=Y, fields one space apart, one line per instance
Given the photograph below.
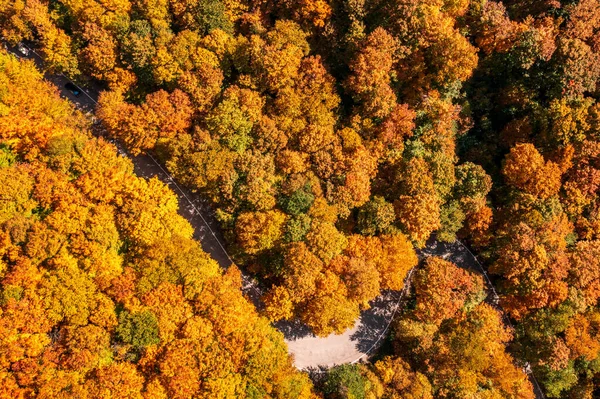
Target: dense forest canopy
x=323 y=176
x=333 y=137
x=103 y=292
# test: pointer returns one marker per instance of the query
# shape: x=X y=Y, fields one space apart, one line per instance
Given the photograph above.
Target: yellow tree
x=258 y=231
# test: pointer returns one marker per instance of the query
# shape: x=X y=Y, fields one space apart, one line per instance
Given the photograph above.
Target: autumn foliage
x=334 y=139
x=103 y=292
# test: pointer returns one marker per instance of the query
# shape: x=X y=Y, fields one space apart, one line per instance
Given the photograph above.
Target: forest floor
x=309 y=351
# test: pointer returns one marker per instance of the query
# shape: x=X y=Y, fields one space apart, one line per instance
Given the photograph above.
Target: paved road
x=309 y=351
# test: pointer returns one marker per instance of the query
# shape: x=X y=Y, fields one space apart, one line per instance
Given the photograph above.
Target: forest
x=333 y=139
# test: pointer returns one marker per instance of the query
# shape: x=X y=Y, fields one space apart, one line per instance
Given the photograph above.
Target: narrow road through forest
x=309 y=351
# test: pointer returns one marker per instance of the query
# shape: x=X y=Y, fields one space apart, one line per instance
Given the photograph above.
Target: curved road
x=309 y=351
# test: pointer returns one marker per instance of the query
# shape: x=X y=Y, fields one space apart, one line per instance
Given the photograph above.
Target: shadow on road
x=375 y=320
x=293 y=329
x=454 y=252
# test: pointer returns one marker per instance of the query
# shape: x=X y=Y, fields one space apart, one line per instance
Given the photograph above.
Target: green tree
x=138 y=329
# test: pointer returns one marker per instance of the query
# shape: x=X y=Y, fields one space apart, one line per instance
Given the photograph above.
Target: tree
x=417 y=208
x=583 y=274
x=163 y=116
x=375 y=216
x=303 y=269
x=395 y=129
x=345 y=381
x=149 y=213
x=16 y=193
x=525 y=169
x=258 y=231
x=103 y=292
x=581 y=336
x=330 y=313
x=454 y=339
x=398 y=378
x=577 y=67
x=100 y=54
x=534 y=263
x=325 y=241
x=232 y=120
x=117 y=380
x=138 y=329
x=419 y=215
x=443 y=289
x=369 y=83
x=202 y=15
x=278 y=304
x=433 y=52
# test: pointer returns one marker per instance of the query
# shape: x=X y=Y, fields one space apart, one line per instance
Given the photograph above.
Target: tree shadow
x=454 y=252
x=374 y=322
x=293 y=329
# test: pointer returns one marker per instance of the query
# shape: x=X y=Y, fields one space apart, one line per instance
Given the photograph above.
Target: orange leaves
x=358 y=170
x=278 y=304
x=330 y=314
x=455 y=339
x=585 y=272
x=336 y=286
x=535 y=265
x=325 y=241
x=303 y=269
x=56 y=44
x=434 y=52
x=398 y=379
x=117 y=380
x=316 y=11
x=496 y=32
x=29 y=120
x=370 y=80
x=395 y=129
x=86 y=347
x=526 y=169
x=148 y=212
x=398 y=258
x=392 y=255
x=418 y=209
x=163 y=116
x=361 y=278
x=276 y=59
x=479 y=351
x=443 y=289
x=583 y=17
x=101 y=174
x=419 y=215
x=203 y=83
x=168 y=113
x=16 y=193
x=582 y=336
x=304 y=110
x=101 y=52
x=170 y=307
